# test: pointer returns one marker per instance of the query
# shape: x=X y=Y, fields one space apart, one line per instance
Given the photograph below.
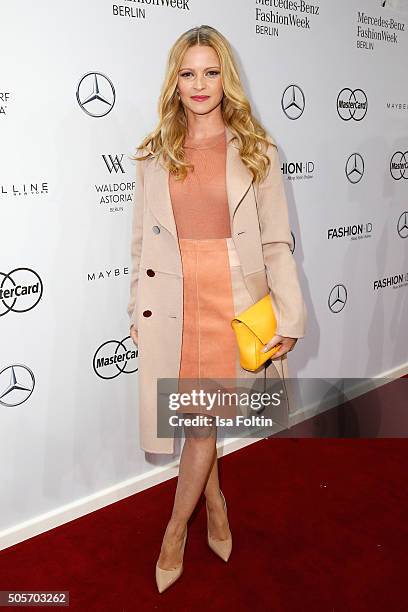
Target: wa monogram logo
x=114 y=163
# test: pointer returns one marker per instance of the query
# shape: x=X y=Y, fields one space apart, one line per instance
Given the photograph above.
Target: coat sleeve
x=136 y=240
x=283 y=281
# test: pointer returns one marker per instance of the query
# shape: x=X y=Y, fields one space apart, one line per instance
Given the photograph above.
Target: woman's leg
x=218 y=522
x=197 y=459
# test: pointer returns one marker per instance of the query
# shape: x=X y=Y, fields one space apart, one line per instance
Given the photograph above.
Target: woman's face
x=199 y=80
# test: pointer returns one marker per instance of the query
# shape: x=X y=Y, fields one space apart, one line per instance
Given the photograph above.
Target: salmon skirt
x=214 y=291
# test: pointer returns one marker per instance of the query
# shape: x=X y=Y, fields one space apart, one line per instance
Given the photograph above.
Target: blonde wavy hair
x=167 y=139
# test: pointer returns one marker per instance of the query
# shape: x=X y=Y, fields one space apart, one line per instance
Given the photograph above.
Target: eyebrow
x=208 y=68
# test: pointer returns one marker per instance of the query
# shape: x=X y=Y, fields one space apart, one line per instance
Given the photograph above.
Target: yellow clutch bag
x=254 y=327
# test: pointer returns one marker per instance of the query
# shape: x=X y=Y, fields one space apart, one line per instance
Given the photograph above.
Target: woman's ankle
x=214 y=500
x=176 y=527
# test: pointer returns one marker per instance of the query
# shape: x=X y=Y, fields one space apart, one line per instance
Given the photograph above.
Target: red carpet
x=317 y=524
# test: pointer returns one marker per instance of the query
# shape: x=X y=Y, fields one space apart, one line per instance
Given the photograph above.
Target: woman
x=210 y=236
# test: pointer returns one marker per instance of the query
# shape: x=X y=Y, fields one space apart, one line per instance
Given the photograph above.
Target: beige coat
x=261 y=234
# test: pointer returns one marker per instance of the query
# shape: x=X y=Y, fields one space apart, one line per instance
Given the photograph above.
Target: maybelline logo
x=106 y=274
x=95 y=94
x=115 y=194
x=352 y=104
x=354 y=232
x=115 y=357
x=396 y=281
x=140 y=12
x=4 y=100
x=399 y=165
x=293 y=102
x=354 y=168
x=20 y=290
x=397 y=105
x=24 y=189
x=337 y=298
x=17 y=383
x=298 y=170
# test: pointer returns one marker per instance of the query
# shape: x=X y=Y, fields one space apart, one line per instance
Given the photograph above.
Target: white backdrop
x=68 y=413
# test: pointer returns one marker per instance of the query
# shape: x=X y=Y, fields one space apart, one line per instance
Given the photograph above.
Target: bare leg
x=218 y=522
x=196 y=460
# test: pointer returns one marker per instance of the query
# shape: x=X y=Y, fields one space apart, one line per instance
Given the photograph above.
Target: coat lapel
x=238 y=181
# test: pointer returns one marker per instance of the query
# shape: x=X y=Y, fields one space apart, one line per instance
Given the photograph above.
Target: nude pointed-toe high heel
x=165 y=578
x=222 y=548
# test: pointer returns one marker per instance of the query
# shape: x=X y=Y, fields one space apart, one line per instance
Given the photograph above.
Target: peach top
x=200 y=202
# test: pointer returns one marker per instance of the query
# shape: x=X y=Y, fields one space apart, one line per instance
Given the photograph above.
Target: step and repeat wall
x=79 y=84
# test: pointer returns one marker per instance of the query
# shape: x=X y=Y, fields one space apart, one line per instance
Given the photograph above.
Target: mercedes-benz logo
x=16 y=384
x=337 y=298
x=114 y=357
x=355 y=168
x=292 y=248
x=399 y=165
x=402 y=225
x=96 y=94
x=352 y=104
x=22 y=284
x=293 y=102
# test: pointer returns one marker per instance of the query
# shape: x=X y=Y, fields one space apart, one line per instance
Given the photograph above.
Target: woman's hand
x=134 y=334
x=287 y=345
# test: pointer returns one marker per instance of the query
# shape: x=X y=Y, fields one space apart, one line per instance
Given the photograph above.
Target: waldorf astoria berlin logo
x=95 y=94
x=352 y=104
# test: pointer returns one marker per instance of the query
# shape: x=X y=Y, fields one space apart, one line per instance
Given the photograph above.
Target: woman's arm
x=280 y=264
x=136 y=240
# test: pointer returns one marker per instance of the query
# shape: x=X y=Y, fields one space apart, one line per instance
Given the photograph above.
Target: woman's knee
x=202 y=431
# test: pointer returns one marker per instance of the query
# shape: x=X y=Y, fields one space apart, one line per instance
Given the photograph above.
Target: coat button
x=150 y=272
x=147 y=313
x=156 y=229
